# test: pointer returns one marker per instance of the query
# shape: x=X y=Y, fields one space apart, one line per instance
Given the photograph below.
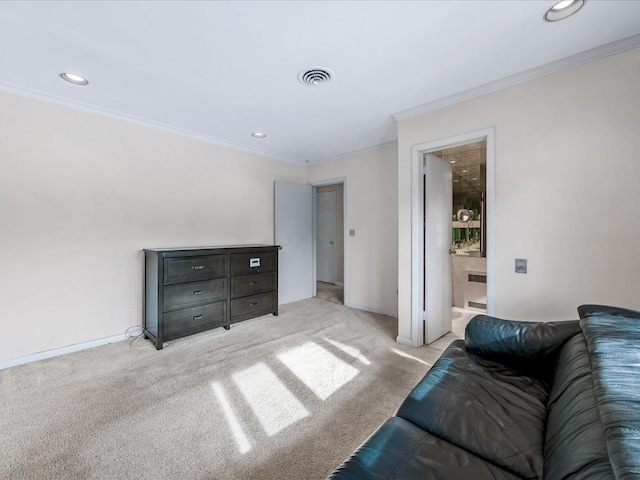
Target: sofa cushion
x=574 y=446
x=492 y=411
x=531 y=347
x=613 y=343
x=400 y=450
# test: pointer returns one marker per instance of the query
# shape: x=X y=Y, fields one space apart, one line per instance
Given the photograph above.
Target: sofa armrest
x=527 y=346
x=590 y=310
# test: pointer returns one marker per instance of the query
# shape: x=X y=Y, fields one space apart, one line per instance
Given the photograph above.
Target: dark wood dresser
x=190 y=290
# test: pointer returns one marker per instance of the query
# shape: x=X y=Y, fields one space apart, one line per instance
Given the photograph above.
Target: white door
x=326 y=220
x=438 y=208
x=294 y=233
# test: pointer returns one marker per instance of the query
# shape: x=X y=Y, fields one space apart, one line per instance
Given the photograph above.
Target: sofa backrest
x=593 y=411
x=593 y=310
x=613 y=343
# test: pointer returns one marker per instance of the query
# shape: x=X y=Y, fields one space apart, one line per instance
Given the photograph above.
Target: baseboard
x=34 y=357
x=370 y=309
x=403 y=341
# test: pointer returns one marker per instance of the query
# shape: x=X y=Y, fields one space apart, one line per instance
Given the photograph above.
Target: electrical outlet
x=352 y=232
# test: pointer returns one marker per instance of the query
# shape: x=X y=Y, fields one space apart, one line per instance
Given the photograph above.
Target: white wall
x=567 y=176
x=371 y=197
x=81 y=195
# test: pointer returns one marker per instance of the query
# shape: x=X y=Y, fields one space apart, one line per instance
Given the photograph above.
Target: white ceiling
x=221 y=70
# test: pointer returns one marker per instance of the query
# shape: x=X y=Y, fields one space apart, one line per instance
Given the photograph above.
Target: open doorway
x=329 y=237
x=428 y=323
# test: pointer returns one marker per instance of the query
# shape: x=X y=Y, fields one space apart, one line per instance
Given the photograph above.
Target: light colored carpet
x=330 y=292
x=275 y=397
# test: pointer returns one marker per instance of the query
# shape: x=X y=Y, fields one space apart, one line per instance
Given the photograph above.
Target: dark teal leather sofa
x=519 y=400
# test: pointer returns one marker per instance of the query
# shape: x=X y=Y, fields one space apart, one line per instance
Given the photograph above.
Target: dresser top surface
x=215 y=247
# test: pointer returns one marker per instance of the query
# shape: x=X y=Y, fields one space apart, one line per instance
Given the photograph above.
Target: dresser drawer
x=193 y=320
x=192 y=269
x=256 y=262
x=244 y=285
x=252 y=306
x=183 y=294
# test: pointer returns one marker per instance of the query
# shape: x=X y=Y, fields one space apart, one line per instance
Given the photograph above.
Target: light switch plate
x=521 y=265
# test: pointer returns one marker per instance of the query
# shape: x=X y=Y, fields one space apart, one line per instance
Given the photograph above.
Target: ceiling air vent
x=315 y=76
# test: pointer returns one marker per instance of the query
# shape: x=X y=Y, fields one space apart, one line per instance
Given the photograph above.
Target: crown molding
x=47 y=98
x=581 y=58
x=351 y=153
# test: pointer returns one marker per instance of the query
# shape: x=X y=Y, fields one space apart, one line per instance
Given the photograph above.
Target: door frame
x=345 y=232
x=417 y=233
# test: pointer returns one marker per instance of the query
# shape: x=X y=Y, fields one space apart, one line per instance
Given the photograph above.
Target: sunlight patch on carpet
x=318 y=369
x=270 y=400
x=236 y=429
x=351 y=351
x=407 y=355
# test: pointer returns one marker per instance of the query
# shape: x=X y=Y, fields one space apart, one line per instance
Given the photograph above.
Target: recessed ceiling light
x=73 y=78
x=258 y=134
x=465 y=171
x=563 y=10
x=452 y=161
x=474 y=178
x=456 y=180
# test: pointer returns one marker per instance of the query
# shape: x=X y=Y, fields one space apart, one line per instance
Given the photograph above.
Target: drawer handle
x=253 y=304
x=198 y=292
x=196 y=317
x=198 y=267
x=253 y=283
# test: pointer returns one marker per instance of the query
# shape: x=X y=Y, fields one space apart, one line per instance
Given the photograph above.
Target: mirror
x=464 y=215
